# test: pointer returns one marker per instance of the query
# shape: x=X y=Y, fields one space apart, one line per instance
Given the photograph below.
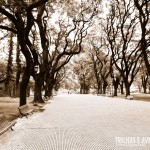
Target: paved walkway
x=83 y=122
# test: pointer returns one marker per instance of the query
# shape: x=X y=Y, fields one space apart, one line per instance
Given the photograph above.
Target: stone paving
x=83 y=122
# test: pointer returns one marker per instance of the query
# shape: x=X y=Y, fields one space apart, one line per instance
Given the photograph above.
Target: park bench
x=5 y=124
x=25 y=111
x=129 y=97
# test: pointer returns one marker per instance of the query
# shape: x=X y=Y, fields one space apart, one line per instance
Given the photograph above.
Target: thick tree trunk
x=144 y=89
x=49 y=92
x=38 y=90
x=99 y=89
x=86 y=89
x=81 y=89
x=104 y=87
x=49 y=89
x=26 y=75
x=122 y=88
x=127 y=87
x=144 y=83
x=116 y=83
x=24 y=85
x=115 y=91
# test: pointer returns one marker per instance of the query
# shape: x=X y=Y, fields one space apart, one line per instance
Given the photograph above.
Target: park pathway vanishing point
x=83 y=122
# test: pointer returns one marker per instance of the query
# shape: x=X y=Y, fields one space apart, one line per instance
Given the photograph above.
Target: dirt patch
x=137 y=96
x=9 y=106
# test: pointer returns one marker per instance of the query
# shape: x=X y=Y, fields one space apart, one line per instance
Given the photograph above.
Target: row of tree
x=45 y=45
x=49 y=33
x=125 y=41
x=120 y=46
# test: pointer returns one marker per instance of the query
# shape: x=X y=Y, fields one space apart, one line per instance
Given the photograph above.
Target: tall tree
x=66 y=41
x=24 y=16
x=144 y=18
x=21 y=16
x=124 y=44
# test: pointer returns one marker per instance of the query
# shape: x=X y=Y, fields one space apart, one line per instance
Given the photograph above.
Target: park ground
x=79 y=122
x=9 y=106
